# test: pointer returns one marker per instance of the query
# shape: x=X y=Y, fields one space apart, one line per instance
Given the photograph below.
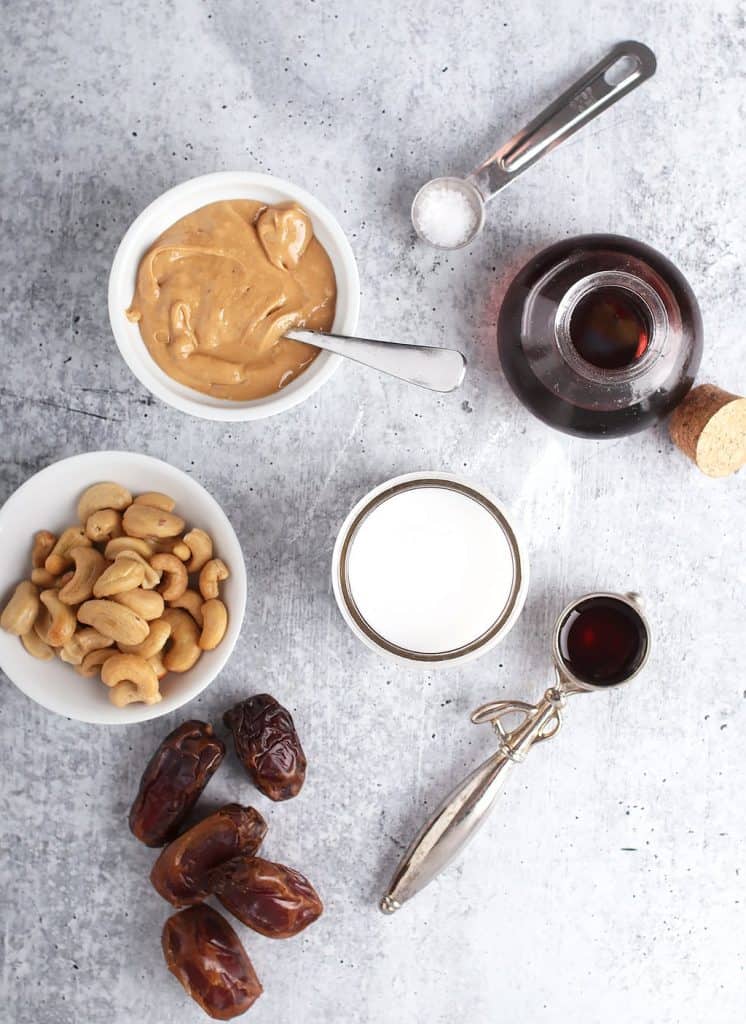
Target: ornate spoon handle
x=464 y=810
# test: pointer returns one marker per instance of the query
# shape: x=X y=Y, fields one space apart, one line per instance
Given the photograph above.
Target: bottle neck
x=652 y=312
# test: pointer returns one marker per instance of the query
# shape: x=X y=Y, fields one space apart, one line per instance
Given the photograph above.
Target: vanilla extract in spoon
x=600 y=641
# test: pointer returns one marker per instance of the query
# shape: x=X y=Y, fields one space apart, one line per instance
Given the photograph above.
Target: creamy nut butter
x=217 y=290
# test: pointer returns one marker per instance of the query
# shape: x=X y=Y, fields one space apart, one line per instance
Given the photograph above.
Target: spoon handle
x=439 y=369
x=450 y=828
x=628 y=65
x=466 y=807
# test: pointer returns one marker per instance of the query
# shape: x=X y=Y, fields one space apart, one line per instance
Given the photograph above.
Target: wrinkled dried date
x=268 y=746
x=173 y=780
x=268 y=897
x=182 y=872
x=206 y=955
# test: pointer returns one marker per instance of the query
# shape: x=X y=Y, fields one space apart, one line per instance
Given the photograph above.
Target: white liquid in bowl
x=430 y=569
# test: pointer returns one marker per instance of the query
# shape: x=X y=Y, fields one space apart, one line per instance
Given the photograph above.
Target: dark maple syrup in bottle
x=609 y=329
x=600 y=336
x=603 y=641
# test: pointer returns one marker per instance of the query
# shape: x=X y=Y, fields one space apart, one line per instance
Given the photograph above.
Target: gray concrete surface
x=609 y=887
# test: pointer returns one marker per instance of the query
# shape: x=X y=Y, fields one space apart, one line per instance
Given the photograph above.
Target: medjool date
x=173 y=780
x=268 y=746
x=268 y=897
x=206 y=955
x=182 y=872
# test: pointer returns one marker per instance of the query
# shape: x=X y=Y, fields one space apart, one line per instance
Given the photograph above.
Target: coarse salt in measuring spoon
x=445 y=214
x=448 y=212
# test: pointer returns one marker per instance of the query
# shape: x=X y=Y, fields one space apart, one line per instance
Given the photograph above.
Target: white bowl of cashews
x=183 y=199
x=108 y=592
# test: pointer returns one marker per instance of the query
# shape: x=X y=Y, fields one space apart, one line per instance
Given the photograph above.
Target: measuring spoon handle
x=466 y=807
x=628 y=65
x=442 y=838
x=438 y=369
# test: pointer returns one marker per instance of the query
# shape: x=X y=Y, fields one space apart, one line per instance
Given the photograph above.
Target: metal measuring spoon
x=628 y=65
x=437 y=369
x=463 y=811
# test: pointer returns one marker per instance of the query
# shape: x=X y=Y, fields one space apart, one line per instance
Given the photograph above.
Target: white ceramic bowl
x=177 y=203
x=48 y=501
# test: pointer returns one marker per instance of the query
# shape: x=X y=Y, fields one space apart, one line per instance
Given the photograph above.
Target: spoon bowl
x=460 y=186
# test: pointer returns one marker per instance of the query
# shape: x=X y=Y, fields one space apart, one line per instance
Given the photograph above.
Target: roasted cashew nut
x=192 y=602
x=104 y=495
x=156 y=663
x=183 y=648
x=41 y=626
x=127 y=692
x=103 y=525
x=62 y=620
x=21 y=612
x=59 y=558
x=151 y=577
x=121 y=624
x=119 y=545
x=171 y=546
x=123 y=574
x=133 y=670
x=83 y=642
x=154 y=642
x=89 y=566
x=146 y=603
x=144 y=521
x=212 y=573
x=215 y=623
x=92 y=662
x=42 y=578
x=36 y=646
x=181 y=550
x=200 y=546
x=174 y=579
x=155 y=499
x=44 y=541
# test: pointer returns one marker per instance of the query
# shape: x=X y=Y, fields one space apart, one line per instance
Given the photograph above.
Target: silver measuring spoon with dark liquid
x=599 y=641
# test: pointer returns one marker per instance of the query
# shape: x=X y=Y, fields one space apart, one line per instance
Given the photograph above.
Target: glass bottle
x=600 y=336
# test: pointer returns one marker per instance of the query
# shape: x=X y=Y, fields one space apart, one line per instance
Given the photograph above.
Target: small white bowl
x=177 y=203
x=47 y=501
x=506 y=612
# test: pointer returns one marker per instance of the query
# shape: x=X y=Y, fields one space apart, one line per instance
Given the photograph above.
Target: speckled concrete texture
x=607 y=886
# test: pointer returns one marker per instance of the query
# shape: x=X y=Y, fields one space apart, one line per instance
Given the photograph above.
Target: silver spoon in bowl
x=438 y=369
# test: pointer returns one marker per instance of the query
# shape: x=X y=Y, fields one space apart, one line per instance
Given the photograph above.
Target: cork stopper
x=710 y=428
